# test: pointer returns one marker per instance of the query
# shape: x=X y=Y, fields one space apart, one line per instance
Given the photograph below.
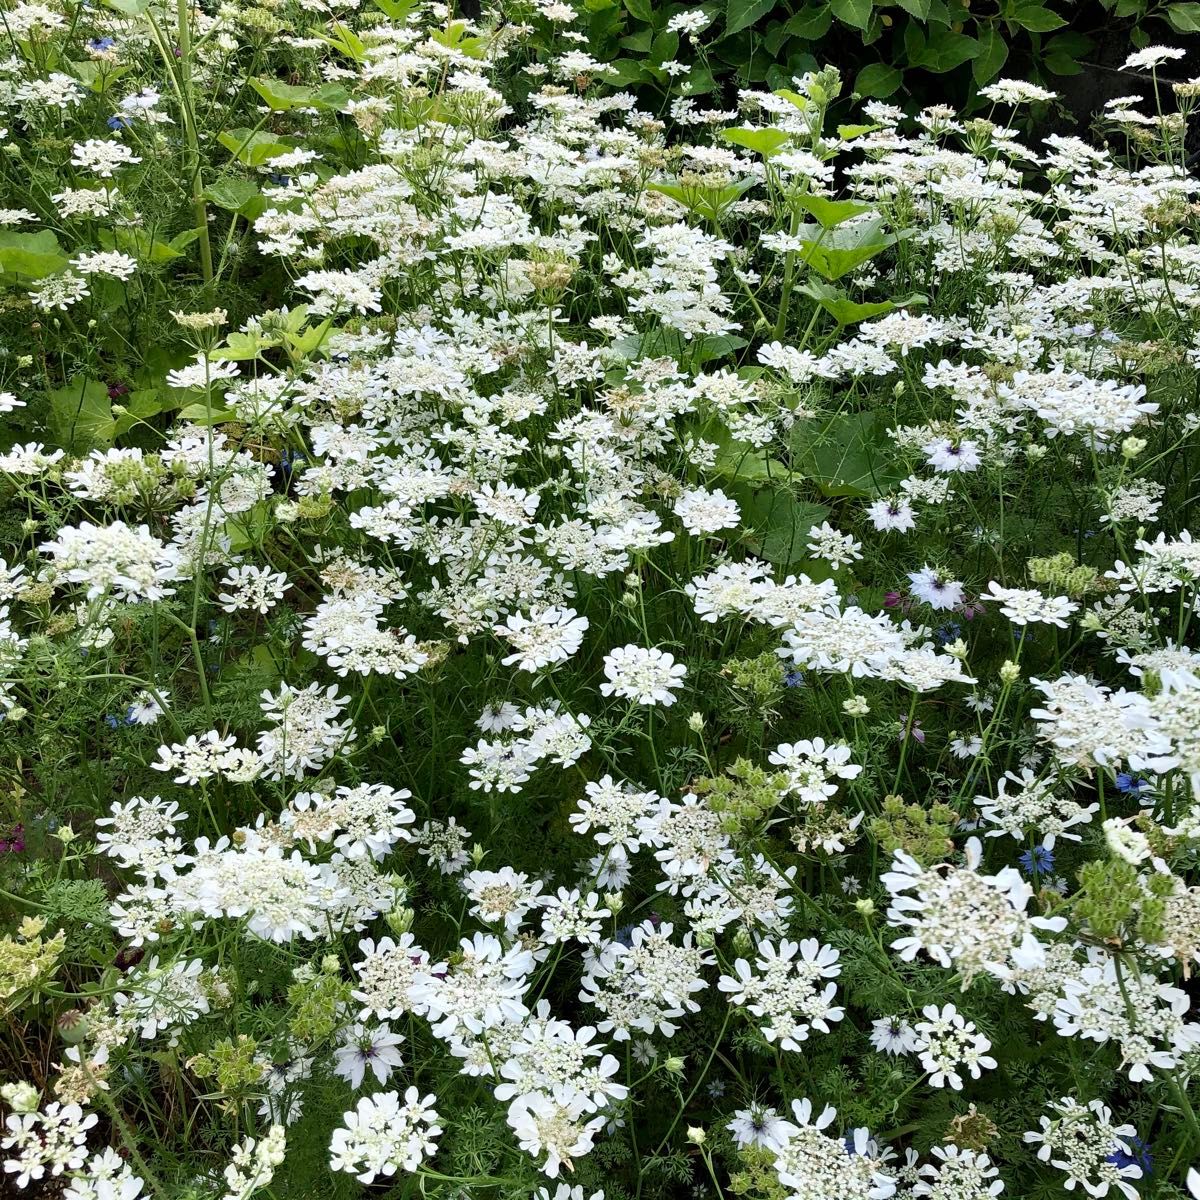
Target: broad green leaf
x=396 y=10
x=236 y=195
x=830 y=213
x=281 y=97
x=810 y=23
x=762 y=141
x=240 y=347
x=846 y=455
x=833 y=253
x=738 y=460
x=993 y=54
x=946 y=50
x=916 y=8
x=253 y=147
x=709 y=202
x=137 y=406
x=641 y=10
x=98 y=77
x=849 y=132
x=624 y=72
x=1036 y=18
x=741 y=14
x=128 y=8
x=849 y=312
x=142 y=245
x=784 y=540
x=852 y=12
x=31 y=255
x=1184 y=18
x=878 y=80
x=81 y=416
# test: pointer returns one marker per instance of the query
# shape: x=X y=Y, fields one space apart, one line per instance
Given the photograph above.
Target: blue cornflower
x=1038 y=860
x=99 y=45
x=1129 y=783
x=1139 y=1156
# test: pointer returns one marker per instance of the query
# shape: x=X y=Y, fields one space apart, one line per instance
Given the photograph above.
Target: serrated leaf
x=236 y=195
x=810 y=23
x=856 y=13
x=741 y=14
x=878 y=80
x=946 y=50
x=1184 y=18
x=993 y=54
x=1037 y=18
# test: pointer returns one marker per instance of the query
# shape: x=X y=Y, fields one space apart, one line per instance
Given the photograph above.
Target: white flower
x=364 y=1049
x=644 y=676
x=947 y=1043
x=382 y=1135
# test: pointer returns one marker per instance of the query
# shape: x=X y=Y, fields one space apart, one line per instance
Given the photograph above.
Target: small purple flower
x=914 y=731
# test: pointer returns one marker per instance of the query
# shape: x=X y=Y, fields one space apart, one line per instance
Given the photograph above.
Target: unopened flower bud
x=20 y=1097
x=674 y=1064
x=1131 y=447
x=865 y=907
x=696 y=1135
x=1009 y=672
x=696 y=722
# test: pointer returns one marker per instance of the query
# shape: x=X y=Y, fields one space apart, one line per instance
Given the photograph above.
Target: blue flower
x=947 y=633
x=1128 y=783
x=111 y=722
x=99 y=45
x=793 y=679
x=119 y=121
x=1039 y=860
x=1138 y=1156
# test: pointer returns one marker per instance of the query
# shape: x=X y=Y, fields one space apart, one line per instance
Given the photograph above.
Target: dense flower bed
x=552 y=649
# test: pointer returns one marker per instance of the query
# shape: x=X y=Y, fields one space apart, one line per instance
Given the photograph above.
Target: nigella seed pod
x=72 y=1026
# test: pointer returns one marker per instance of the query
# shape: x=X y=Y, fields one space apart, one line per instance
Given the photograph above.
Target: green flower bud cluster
x=743 y=796
x=922 y=832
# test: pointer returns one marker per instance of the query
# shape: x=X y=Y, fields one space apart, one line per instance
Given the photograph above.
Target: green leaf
x=1036 y=18
x=128 y=8
x=236 y=195
x=946 y=50
x=834 y=252
x=784 y=539
x=641 y=10
x=741 y=14
x=852 y=12
x=1184 y=18
x=878 y=80
x=739 y=460
x=142 y=246
x=846 y=455
x=251 y=147
x=993 y=54
x=916 y=8
x=811 y=23
x=849 y=312
x=138 y=406
x=98 y=77
x=396 y=10
x=31 y=255
x=830 y=213
x=81 y=416
x=709 y=202
x=281 y=97
x=762 y=141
